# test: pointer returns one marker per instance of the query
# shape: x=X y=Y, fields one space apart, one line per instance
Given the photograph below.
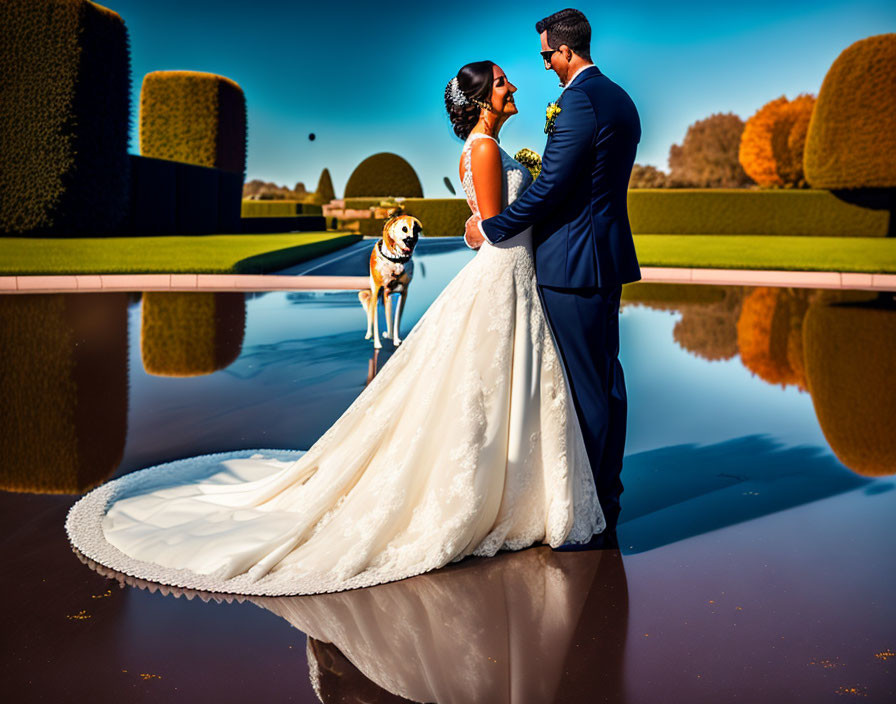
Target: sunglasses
x=546 y=55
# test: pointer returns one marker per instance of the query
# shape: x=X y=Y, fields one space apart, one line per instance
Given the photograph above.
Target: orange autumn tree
x=773 y=142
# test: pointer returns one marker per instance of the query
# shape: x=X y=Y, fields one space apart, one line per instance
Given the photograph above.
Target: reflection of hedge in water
x=852 y=138
x=65 y=115
x=769 y=334
x=670 y=296
x=851 y=372
x=64 y=381
x=188 y=334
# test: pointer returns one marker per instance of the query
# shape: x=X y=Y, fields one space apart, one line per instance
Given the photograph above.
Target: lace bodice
x=516 y=176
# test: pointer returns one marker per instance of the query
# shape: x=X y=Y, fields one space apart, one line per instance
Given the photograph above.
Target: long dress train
x=466 y=443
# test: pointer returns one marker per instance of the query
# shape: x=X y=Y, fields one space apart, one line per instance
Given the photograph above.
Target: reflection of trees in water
x=64 y=381
x=535 y=625
x=191 y=333
x=769 y=334
x=850 y=361
x=710 y=331
x=853 y=379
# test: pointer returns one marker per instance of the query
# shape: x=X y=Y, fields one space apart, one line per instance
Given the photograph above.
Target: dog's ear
x=387 y=226
x=418 y=227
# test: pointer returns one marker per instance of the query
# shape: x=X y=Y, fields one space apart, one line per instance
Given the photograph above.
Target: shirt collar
x=576 y=75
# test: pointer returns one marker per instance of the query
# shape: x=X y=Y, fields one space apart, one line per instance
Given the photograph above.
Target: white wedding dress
x=466 y=443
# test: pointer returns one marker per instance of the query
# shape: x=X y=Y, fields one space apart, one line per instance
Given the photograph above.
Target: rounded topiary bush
x=852 y=134
x=384 y=174
x=191 y=333
x=851 y=373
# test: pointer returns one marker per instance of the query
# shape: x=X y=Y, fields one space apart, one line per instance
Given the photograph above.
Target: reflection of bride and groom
x=499 y=423
x=530 y=626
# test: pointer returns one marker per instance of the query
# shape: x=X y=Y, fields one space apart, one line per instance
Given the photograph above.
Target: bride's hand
x=473 y=237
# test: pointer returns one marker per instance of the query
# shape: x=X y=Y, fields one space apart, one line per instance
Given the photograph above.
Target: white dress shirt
x=568 y=84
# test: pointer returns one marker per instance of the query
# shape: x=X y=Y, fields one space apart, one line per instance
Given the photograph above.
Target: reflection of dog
x=391 y=269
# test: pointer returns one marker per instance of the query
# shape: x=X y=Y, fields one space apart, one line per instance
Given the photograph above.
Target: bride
x=466 y=443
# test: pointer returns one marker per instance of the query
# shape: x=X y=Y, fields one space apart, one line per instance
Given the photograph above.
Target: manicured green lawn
x=207 y=254
x=863 y=254
x=258 y=254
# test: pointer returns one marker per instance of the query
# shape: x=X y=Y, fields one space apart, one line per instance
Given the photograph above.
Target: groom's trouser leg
x=585 y=323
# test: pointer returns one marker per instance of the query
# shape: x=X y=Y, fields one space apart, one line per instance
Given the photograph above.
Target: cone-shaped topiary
x=851 y=372
x=189 y=334
x=852 y=134
x=384 y=174
x=64 y=405
x=193 y=117
x=65 y=114
x=325 y=192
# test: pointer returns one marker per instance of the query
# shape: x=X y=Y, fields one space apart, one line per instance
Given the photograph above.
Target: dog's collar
x=397 y=260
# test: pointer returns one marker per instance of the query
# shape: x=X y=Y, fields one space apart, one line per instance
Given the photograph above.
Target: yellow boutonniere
x=551 y=115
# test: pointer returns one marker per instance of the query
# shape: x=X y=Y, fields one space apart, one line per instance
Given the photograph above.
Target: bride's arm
x=488 y=175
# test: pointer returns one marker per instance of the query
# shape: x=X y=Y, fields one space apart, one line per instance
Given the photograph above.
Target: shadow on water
x=678 y=492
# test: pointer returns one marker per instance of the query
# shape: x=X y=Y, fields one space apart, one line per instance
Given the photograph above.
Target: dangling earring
x=482 y=104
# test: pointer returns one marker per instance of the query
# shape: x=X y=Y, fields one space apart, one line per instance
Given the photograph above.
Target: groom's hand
x=473 y=236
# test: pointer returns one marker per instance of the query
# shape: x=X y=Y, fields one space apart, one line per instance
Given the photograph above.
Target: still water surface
x=756 y=537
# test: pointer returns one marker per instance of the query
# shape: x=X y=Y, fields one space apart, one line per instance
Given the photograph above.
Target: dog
x=391 y=270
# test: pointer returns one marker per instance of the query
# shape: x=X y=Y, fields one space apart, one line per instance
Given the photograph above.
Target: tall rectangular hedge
x=64 y=118
x=707 y=211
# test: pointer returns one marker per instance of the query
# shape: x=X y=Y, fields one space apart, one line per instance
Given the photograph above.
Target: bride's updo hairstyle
x=465 y=93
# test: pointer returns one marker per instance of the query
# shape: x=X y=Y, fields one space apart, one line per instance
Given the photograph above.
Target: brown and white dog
x=391 y=270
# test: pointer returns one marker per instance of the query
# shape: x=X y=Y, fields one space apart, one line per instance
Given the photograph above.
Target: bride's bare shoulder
x=484 y=154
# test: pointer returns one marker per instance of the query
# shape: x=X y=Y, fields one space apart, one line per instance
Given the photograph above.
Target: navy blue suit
x=584 y=252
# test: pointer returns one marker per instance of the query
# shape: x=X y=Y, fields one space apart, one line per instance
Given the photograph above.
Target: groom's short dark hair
x=568 y=27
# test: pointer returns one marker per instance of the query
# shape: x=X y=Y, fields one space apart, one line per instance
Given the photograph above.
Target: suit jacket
x=578 y=204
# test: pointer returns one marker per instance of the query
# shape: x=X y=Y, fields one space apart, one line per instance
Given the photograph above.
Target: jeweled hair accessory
x=455 y=94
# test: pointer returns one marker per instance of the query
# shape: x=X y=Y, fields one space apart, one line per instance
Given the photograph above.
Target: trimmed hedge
x=750 y=212
x=278 y=208
x=193 y=117
x=65 y=112
x=64 y=375
x=697 y=211
x=174 y=198
x=296 y=223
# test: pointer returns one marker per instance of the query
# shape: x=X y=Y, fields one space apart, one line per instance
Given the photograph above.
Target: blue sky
x=369 y=77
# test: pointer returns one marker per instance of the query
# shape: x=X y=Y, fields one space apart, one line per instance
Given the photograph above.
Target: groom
x=582 y=240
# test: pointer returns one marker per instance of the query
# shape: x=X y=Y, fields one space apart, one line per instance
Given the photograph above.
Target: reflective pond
x=756 y=555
